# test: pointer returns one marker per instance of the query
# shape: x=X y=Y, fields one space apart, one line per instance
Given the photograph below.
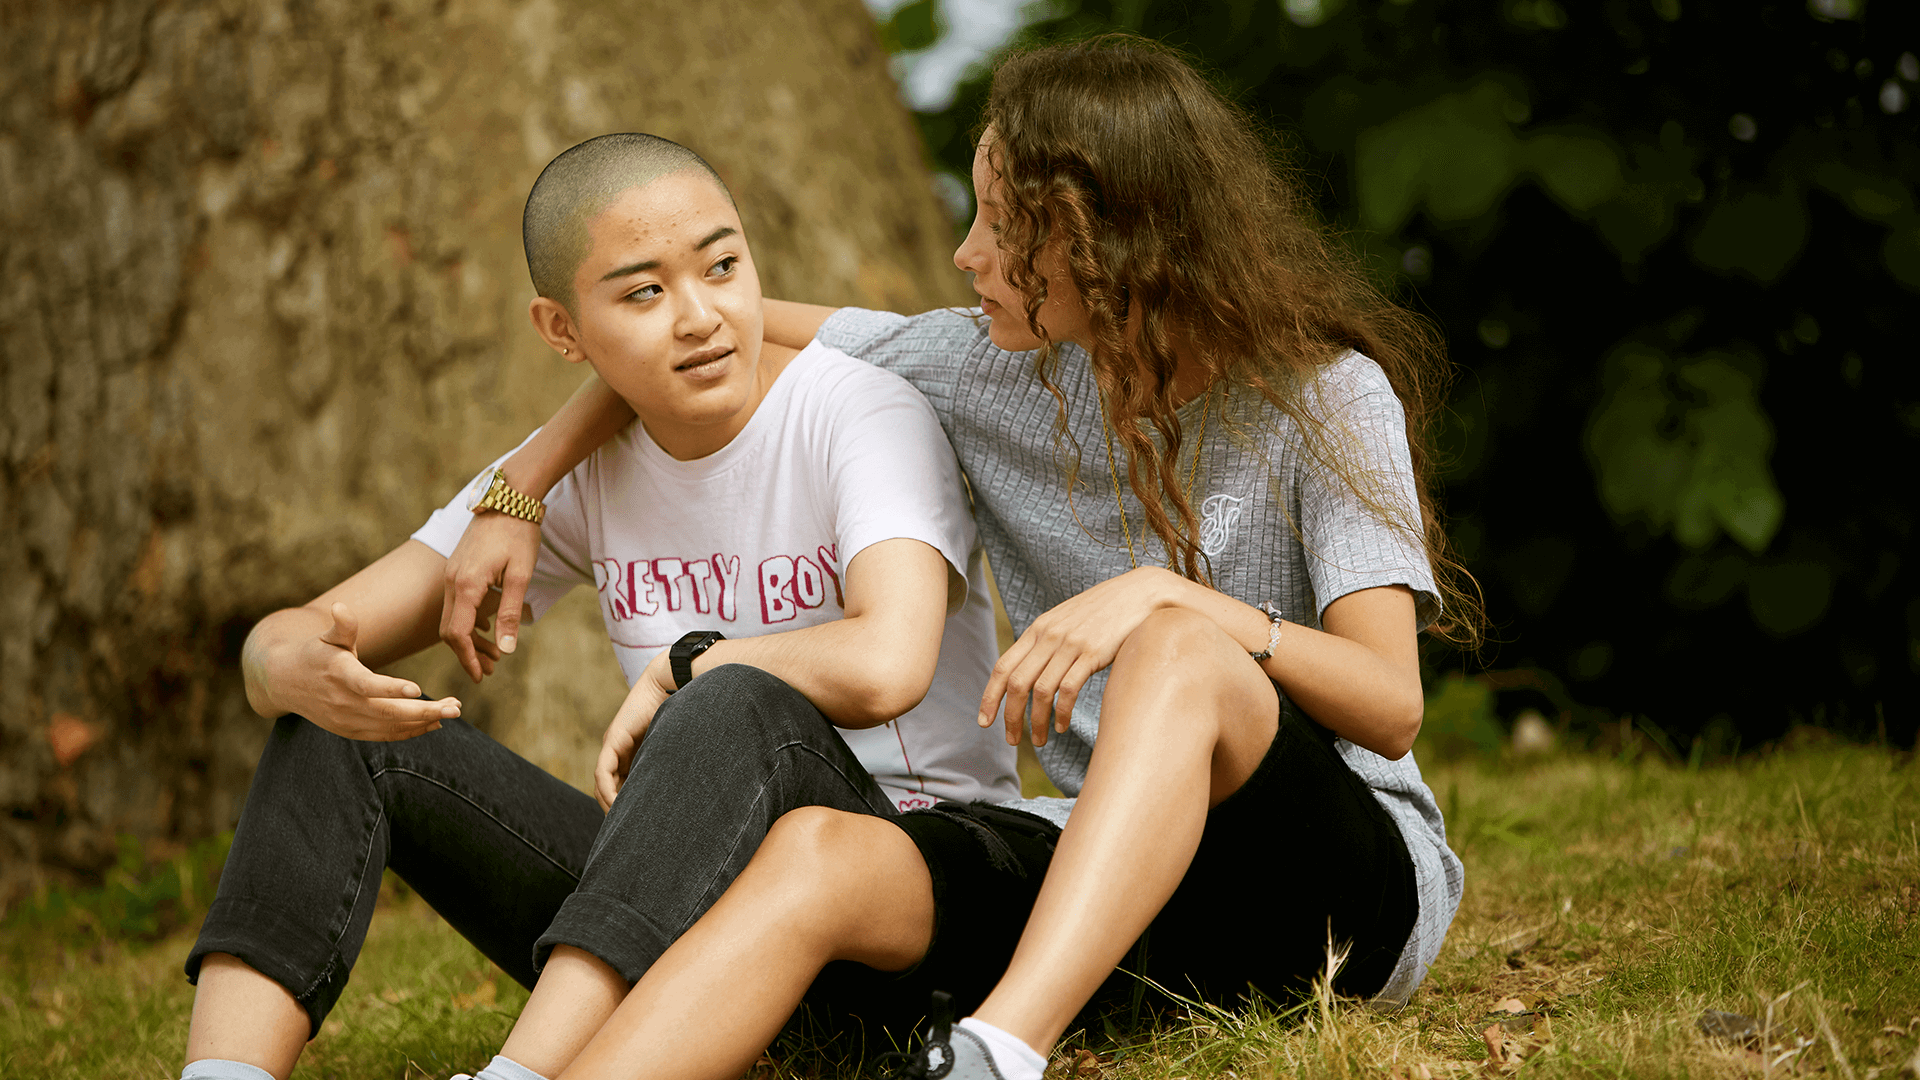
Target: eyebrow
x=720 y=233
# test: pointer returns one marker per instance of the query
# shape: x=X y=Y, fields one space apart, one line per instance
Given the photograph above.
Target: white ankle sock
x=222 y=1069
x=1015 y=1059
x=503 y=1067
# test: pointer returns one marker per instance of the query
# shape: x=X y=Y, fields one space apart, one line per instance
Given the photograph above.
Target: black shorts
x=1301 y=850
x=987 y=863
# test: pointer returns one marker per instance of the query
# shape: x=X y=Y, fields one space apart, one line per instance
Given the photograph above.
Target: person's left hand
x=629 y=726
x=1066 y=646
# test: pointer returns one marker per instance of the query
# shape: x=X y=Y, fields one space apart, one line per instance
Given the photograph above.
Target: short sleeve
x=563 y=562
x=891 y=474
x=928 y=350
x=1349 y=544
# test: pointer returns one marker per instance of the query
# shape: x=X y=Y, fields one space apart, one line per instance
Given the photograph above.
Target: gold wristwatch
x=499 y=495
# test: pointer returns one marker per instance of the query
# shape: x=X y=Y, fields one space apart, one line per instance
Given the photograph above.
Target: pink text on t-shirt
x=633 y=588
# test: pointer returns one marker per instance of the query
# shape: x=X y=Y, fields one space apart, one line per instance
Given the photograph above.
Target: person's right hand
x=497 y=549
x=322 y=679
x=629 y=726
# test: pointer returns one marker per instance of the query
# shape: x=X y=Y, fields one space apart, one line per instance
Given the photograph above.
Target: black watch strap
x=680 y=656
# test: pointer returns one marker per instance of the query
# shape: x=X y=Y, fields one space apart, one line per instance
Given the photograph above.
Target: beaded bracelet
x=1273 y=633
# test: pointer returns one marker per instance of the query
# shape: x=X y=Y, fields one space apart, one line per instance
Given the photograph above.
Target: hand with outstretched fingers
x=629 y=726
x=497 y=549
x=322 y=679
x=1068 y=644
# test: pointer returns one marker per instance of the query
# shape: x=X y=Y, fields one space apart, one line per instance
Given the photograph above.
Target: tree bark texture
x=262 y=307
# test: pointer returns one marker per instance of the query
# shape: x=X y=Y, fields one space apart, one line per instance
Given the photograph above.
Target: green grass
x=1620 y=900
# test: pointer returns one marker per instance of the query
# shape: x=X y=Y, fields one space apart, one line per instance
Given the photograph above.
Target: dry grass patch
x=1616 y=903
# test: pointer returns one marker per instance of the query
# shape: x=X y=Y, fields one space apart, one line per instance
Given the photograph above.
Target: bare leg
x=241 y=1015
x=825 y=885
x=576 y=994
x=1184 y=723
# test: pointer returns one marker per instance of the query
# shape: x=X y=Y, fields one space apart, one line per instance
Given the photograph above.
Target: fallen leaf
x=1513 y=1034
x=1086 y=1063
x=70 y=736
x=483 y=996
x=1503 y=1050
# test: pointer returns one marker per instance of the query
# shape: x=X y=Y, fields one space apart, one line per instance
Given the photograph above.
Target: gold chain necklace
x=1113 y=473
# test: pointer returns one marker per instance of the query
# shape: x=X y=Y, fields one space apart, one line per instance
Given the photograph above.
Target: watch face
x=477 y=490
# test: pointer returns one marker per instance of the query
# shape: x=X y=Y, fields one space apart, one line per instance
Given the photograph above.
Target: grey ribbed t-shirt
x=1254 y=484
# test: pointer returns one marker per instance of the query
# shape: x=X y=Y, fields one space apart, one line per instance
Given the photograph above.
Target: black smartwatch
x=680 y=656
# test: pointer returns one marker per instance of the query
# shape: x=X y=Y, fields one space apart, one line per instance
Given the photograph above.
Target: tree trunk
x=263 y=308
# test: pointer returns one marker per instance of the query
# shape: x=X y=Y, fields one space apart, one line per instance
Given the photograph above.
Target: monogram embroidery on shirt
x=1217 y=515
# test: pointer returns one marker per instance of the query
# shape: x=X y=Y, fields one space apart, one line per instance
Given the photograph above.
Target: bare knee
x=828 y=851
x=855 y=880
x=809 y=836
x=1175 y=647
x=1180 y=677
x=1176 y=633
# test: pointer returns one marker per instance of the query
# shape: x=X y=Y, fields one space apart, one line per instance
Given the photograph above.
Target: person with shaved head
x=786 y=567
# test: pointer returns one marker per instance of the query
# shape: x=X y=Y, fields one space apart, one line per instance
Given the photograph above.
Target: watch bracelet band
x=502 y=497
x=691 y=646
x=1273 y=634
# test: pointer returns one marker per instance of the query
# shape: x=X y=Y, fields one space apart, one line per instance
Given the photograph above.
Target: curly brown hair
x=1183 y=232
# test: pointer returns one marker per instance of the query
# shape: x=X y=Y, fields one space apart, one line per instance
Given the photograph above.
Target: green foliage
x=1647 y=206
x=912 y=26
x=1756 y=231
x=140 y=900
x=1456 y=155
x=1788 y=597
x=1459 y=721
x=1682 y=444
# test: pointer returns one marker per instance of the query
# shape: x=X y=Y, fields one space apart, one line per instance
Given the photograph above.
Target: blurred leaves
x=1755 y=231
x=147 y=895
x=1682 y=443
x=1457 y=155
x=1460 y=720
x=911 y=27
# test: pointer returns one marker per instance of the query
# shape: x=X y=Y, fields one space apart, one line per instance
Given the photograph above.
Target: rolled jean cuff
x=621 y=937
x=279 y=945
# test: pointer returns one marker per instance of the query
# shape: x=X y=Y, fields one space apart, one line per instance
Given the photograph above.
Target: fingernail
x=984 y=720
x=507 y=642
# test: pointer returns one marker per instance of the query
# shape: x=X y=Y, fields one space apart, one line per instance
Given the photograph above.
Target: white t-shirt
x=753 y=539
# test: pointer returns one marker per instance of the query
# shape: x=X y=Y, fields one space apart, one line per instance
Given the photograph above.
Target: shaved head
x=576 y=186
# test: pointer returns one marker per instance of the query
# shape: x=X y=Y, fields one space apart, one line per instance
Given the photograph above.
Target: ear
x=555 y=326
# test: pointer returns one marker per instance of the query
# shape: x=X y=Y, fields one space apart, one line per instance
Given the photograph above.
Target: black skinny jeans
x=513 y=858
